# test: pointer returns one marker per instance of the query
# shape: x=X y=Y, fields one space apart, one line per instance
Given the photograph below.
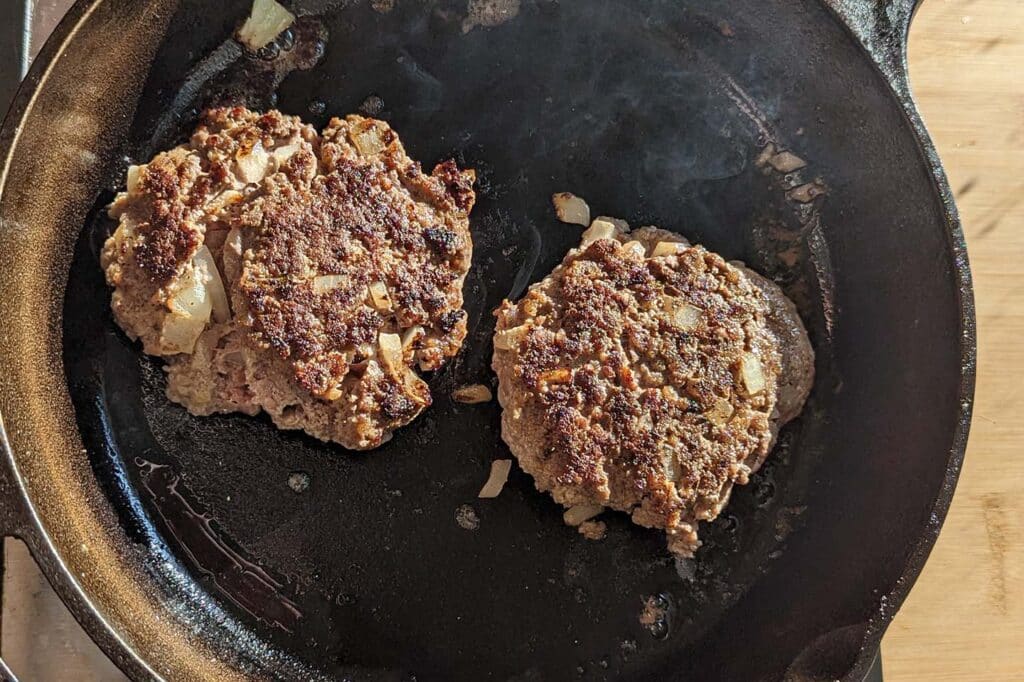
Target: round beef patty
x=298 y=273
x=644 y=375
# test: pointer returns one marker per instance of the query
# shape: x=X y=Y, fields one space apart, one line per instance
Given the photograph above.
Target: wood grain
x=964 y=619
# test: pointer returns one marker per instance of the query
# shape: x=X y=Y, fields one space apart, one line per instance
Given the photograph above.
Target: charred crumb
x=447 y=321
x=457 y=183
x=442 y=240
x=656 y=615
x=593 y=530
x=372 y=106
x=466 y=517
x=298 y=481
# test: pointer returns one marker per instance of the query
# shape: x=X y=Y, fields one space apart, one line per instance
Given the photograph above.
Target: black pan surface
x=342 y=563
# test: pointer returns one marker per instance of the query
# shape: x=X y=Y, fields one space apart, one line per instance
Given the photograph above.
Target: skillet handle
x=882 y=26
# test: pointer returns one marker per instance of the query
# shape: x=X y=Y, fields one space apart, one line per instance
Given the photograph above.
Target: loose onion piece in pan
x=579 y=513
x=500 y=469
x=668 y=249
x=267 y=20
x=786 y=162
x=571 y=209
x=470 y=395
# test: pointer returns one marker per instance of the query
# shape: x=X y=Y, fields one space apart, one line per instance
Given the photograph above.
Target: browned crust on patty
x=367 y=218
x=302 y=225
x=608 y=399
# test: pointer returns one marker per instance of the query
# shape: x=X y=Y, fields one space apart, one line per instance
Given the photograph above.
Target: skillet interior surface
x=657 y=112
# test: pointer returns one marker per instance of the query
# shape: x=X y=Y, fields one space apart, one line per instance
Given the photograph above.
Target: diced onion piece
x=267 y=20
x=636 y=247
x=561 y=375
x=786 y=162
x=324 y=283
x=368 y=140
x=412 y=335
x=500 y=469
x=179 y=333
x=620 y=224
x=509 y=339
x=720 y=412
x=253 y=163
x=415 y=388
x=599 y=229
x=682 y=314
x=393 y=360
x=751 y=374
x=571 y=209
x=224 y=200
x=577 y=514
x=668 y=249
x=806 y=193
x=134 y=175
x=765 y=156
x=471 y=395
x=204 y=262
x=379 y=296
x=191 y=297
x=391 y=354
x=282 y=154
x=231 y=254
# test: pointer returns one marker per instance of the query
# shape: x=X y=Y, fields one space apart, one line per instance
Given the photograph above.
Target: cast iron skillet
x=180 y=543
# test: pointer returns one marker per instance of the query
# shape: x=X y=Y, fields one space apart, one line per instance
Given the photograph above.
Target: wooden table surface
x=964 y=620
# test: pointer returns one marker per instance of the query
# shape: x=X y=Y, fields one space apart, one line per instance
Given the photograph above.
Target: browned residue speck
x=593 y=530
x=654 y=613
x=489 y=13
x=808 y=192
x=787 y=520
x=382 y=6
x=994 y=515
x=466 y=517
x=790 y=256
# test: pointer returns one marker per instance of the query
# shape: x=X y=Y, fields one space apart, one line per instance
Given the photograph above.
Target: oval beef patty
x=648 y=376
x=299 y=273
